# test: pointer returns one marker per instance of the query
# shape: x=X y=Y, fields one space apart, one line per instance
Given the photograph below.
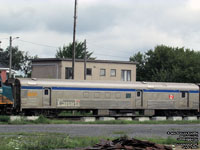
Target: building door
x=47 y=97
x=139 y=99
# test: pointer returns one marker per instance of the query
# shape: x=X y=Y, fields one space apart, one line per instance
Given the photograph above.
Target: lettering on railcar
x=68 y=103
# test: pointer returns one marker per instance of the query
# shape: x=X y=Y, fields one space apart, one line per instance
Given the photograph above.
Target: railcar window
x=183 y=94
x=128 y=95
x=138 y=94
x=46 y=92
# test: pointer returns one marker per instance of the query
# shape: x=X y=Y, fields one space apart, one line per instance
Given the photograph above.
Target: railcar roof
x=106 y=84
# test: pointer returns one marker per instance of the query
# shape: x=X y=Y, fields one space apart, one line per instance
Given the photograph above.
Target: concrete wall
x=57 y=70
x=79 y=70
x=46 y=70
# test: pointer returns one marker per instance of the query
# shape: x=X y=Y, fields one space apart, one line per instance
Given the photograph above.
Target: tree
x=21 y=61
x=140 y=67
x=17 y=57
x=26 y=67
x=168 y=64
x=66 y=51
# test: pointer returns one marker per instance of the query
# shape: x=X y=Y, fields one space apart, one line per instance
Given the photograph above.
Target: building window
x=89 y=71
x=102 y=72
x=68 y=73
x=126 y=75
x=113 y=72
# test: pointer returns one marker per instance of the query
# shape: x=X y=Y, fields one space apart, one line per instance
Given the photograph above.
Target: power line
x=38 y=44
x=99 y=54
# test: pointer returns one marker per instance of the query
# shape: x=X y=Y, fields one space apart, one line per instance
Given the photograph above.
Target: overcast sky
x=114 y=29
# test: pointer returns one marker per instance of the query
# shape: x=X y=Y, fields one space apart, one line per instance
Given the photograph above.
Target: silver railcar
x=106 y=98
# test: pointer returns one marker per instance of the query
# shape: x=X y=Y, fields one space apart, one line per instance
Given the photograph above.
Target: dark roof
x=82 y=60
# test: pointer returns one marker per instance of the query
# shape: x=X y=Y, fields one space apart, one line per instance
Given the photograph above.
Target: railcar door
x=184 y=99
x=139 y=99
x=46 y=97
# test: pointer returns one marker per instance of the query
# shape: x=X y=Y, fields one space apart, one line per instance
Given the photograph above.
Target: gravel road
x=142 y=130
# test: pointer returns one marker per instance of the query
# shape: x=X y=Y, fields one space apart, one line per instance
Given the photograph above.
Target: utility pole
x=85 y=58
x=74 y=41
x=10 y=63
x=10 y=48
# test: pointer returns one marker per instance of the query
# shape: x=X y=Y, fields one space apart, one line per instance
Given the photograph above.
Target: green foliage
x=42 y=120
x=140 y=59
x=159 y=140
x=44 y=141
x=168 y=64
x=20 y=60
x=66 y=51
x=4 y=118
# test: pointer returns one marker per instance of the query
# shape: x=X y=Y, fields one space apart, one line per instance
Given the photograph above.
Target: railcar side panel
x=31 y=98
x=86 y=99
x=59 y=94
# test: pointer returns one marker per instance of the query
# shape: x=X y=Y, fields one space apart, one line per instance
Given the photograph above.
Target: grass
x=40 y=120
x=4 y=118
x=120 y=133
x=43 y=120
x=125 y=122
x=159 y=140
x=46 y=141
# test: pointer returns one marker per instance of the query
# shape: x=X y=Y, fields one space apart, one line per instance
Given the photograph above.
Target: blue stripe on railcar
x=32 y=87
x=106 y=89
x=162 y=91
x=92 y=89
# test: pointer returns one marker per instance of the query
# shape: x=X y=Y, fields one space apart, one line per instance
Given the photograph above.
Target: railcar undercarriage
x=107 y=112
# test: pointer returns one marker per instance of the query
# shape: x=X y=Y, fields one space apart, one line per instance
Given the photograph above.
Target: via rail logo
x=171 y=97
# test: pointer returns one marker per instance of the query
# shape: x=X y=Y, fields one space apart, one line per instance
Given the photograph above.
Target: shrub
x=4 y=118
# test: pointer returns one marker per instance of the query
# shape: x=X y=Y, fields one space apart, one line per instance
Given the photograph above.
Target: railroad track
x=126 y=118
